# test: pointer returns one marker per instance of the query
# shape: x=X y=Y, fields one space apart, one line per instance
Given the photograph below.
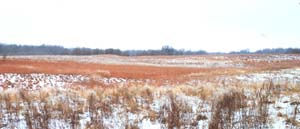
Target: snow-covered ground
x=118 y=105
x=205 y=61
x=37 y=81
x=180 y=61
x=291 y=76
x=192 y=112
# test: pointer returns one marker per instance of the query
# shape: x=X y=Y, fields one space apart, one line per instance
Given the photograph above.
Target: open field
x=107 y=91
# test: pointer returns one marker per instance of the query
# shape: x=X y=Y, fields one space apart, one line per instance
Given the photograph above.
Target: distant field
x=107 y=91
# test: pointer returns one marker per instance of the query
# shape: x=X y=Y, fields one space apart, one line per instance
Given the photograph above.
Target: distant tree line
x=270 y=51
x=31 y=50
x=7 y=49
x=280 y=50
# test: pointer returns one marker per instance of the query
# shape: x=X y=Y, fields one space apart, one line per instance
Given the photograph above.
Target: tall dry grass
x=230 y=108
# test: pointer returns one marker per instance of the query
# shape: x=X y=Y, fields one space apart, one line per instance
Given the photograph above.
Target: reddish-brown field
x=163 y=71
x=69 y=67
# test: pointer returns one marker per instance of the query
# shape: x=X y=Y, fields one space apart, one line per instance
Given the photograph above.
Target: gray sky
x=212 y=25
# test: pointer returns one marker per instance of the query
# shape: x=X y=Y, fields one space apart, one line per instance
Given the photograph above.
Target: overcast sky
x=212 y=25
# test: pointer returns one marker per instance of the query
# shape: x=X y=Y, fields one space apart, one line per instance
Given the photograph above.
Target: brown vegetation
x=68 y=67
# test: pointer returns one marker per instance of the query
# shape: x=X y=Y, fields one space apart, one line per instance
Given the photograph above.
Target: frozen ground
x=280 y=108
x=205 y=61
x=289 y=77
x=249 y=99
x=181 y=61
x=37 y=81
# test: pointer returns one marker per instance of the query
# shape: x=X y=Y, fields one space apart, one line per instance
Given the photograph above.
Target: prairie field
x=150 y=92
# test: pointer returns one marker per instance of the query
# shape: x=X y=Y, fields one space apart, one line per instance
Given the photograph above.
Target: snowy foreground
x=267 y=99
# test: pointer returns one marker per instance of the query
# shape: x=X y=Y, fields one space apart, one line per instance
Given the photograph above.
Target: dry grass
x=169 y=84
x=99 y=103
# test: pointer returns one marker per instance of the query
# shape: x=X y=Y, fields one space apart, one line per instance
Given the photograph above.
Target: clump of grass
x=225 y=108
x=97 y=111
x=173 y=119
x=28 y=102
